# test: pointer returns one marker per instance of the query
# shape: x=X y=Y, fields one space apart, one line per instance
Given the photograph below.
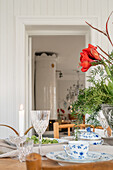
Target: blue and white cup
x=77 y=149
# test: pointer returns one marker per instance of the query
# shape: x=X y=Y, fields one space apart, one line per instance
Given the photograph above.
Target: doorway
x=42 y=26
x=56 y=76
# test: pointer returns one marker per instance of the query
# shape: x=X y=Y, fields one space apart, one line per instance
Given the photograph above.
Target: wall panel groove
x=37 y=9
x=70 y=7
x=57 y=7
x=83 y=7
x=51 y=7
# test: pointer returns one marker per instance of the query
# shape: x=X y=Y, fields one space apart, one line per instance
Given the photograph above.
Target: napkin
x=7 y=150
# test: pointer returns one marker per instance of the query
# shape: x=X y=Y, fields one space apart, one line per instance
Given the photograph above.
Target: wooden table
x=11 y=164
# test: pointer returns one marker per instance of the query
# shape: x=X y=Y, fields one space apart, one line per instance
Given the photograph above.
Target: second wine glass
x=40 y=120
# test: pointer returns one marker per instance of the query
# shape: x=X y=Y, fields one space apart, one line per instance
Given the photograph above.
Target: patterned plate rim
x=103 y=157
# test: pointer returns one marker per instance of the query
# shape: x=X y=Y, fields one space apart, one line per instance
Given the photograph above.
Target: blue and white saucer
x=90 y=156
x=61 y=157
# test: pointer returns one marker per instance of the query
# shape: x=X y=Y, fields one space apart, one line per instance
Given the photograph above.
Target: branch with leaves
x=90 y=99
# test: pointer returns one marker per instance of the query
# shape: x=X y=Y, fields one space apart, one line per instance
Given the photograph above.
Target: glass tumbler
x=24 y=149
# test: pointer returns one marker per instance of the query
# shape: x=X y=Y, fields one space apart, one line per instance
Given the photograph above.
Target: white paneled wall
x=9 y=9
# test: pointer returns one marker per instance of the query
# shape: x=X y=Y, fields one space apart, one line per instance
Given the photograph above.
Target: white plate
x=92 y=157
x=60 y=141
x=68 y=138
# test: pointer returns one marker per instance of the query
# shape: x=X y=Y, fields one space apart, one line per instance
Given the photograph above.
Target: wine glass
x=40 y=120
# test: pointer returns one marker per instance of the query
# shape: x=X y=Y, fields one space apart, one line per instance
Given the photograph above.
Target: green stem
x=107 y=70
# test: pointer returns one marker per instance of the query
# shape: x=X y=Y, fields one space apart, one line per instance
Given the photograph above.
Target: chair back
x=56 y=128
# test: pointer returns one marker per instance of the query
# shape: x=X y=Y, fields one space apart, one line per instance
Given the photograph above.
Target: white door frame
x=23 y=58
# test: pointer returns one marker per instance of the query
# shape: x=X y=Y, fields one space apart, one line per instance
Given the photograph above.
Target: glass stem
x=40 y=142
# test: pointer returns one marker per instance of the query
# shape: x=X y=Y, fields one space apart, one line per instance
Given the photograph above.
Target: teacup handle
x=65 y=146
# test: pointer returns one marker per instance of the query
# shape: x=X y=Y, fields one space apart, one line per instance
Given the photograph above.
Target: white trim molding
x=25 y=28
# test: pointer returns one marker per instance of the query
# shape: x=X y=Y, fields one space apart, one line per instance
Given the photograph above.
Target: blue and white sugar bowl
x=77 y=149
x=90 y=137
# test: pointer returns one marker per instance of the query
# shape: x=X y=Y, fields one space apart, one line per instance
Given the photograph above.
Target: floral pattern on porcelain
x=61 y=156
x=89 y=135
x=77 y=150
x=95 y=142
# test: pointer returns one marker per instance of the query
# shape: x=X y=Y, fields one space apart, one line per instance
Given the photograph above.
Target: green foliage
x=92 y=120
x=90 y=99
x=44 y=140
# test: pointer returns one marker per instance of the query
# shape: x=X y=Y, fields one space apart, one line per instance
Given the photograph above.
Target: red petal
x=87 y=50
x=86 y=64
x=84 y=69
x=95 y=54
x=85 y=57
x=91 y=46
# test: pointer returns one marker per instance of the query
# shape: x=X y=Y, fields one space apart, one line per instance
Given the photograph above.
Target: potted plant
x=101 y=91
x=90 y=99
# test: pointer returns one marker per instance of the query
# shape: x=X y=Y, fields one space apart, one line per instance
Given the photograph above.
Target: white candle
x=21 y=120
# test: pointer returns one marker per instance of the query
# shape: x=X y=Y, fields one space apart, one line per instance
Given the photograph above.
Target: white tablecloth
x=11 y=151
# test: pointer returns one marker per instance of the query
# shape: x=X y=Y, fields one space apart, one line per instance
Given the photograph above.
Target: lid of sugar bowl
x=88 y=135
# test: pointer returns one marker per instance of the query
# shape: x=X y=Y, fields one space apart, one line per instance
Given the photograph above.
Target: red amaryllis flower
x=92 y=52
x=89 y=56
x=85 y=62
